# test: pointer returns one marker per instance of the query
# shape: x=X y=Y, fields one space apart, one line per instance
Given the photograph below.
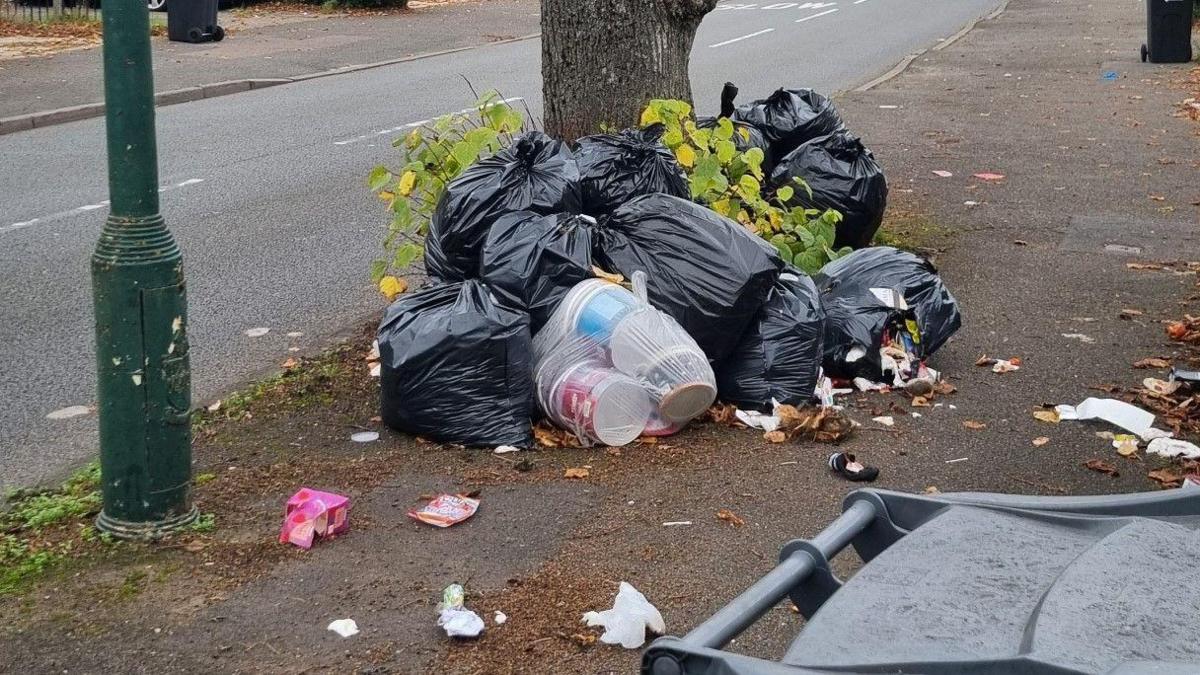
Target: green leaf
x=725 y=151
x=378 y=268
x=748 y=186
x=465 y=153
x=406 y=255
x=724 y=129
x=784 y=194
x=805 y=237
x=673 y=138
x=379 y=178
x=753 y=157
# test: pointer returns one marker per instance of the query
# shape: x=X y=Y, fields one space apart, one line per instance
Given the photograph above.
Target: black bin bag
x=456 y=367
x=779 y=355
x=790 y=117
x=614 y=168
x=856 y=318
x=708 y=272
x=844 y=176
x=536 y=173
x=531 y=261
x=745 y=136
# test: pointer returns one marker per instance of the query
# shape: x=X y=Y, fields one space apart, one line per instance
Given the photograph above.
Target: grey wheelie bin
x=977 y=584
x=193 y=21
x=1168 y=31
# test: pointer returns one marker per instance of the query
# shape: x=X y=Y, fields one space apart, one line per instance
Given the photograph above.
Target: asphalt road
x=265 y=193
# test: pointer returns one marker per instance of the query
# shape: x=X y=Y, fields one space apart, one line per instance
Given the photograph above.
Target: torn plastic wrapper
x=608 y=366
x=1118 y=413
x=446 y=510
x=628 y=620
x=1173 y=447
x=455 y=619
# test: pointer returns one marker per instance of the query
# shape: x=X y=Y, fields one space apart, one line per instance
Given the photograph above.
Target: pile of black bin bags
x=515 y=232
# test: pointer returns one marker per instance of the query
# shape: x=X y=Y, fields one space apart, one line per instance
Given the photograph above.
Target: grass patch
x=913 y=233
x=20 y=563
x=205 y=522
x=307 y=384
x=132 y=585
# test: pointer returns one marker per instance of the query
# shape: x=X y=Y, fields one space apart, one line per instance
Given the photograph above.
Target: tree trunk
x=602 y=61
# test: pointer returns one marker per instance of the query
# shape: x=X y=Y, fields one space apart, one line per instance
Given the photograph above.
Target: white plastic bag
x=626 y=623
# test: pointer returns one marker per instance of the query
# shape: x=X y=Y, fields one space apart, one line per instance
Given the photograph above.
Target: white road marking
x=813 y=16
x=744 y=37
x=412 y=125
x=859 y=2
x=777 y=5
x=12 y=227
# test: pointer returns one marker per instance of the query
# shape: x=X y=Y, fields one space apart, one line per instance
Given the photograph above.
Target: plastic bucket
x=599 y=403
x=658 y=426
x=594 y=308
x=680 y=376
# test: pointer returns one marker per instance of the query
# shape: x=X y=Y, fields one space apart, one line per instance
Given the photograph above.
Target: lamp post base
x=149 y=531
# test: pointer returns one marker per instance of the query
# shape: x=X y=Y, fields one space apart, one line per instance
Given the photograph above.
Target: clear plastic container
x=601 y=339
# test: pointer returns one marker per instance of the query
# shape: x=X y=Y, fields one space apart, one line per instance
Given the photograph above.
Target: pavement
x=265 y=190
x=1099 y=172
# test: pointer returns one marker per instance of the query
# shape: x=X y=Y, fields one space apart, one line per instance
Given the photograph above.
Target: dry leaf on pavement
x=776 y=436
x=972 y=424
x=290 y=363
x=821 y=424
x=1102 y=467
x=1128 y=314
x=1167 y=477
x=1143 y=266
x=984 y=360
x=730 y=517
x=723 y=413
x=1040 y=441
x=1046 y=415
x=920 y=402
x=576 y=472
x=549 y=436
x=1152 y=362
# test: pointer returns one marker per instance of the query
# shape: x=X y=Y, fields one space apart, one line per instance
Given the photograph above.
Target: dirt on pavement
x=1099 y=174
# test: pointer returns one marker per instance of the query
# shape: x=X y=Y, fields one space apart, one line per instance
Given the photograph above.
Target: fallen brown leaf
x=1102 y=467
x=608 y=276
x=932 y=490
x=1167 y=477
x=1152 y=362
x=920 y=402
x=1046 y=415
x=723 y=413
x=984 y=360
x=776 y=436
x=976 y=426
x=824 y=425
x=1040 y=441
x=730 y=517
x=1129 y=314
x=1143 y=266
x=195 y=546
x=576 y=472
x=648 y=440
x=944 y=387
x=290 y=363
x=583 y=639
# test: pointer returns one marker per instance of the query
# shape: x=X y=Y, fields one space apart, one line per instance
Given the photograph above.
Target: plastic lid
x=687 y=401
x=622 y=410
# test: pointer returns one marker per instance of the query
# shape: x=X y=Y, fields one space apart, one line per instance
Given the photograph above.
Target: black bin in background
x=193 y=21
x=1168 y=31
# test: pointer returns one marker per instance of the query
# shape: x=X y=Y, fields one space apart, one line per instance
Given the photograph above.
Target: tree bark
x=602 y=61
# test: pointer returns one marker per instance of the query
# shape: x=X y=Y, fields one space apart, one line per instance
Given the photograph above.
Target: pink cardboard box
x=313 y=513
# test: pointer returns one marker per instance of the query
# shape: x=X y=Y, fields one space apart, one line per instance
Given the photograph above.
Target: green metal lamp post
x=144 y=381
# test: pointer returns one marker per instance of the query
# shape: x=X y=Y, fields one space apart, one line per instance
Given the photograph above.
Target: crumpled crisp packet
x=446 y=510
